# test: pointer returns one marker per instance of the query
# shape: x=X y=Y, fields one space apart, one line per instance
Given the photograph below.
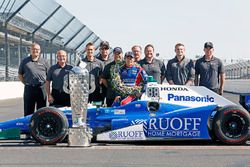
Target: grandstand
x=238 y=70
x=45 y=22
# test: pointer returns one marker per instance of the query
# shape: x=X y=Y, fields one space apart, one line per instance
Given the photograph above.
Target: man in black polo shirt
x=180 y=70
x=56 y=75
x=211 y=70
x=153 y=67
x=106 y=59
x=95 y=68
x=32 y=73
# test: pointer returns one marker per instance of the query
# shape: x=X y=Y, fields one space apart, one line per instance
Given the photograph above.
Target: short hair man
x=153 y=67
x=210 y=69
x=32 y=73
x=106 y=59
x=95 y=68
x=57 y=97
x=180 y=70
x=137 y=51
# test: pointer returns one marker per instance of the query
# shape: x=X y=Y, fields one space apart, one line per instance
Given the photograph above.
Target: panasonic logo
x=174 y=89
x=190 y=98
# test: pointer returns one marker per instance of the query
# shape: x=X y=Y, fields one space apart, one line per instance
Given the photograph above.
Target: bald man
x=32 y=73
x=57 y=97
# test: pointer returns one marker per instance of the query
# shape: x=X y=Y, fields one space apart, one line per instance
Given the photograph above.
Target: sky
x=164 y=23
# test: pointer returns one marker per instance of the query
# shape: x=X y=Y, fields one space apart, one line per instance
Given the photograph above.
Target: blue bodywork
x=169 y=121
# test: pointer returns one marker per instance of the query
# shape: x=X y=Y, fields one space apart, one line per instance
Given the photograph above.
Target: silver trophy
x=77 y=85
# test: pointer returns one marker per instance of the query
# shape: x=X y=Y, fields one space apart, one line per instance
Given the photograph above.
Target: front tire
x=231 y=125
x=48 y=126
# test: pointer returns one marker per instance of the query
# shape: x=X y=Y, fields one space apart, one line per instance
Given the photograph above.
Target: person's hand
x=171 y=82
x=138 y=95
x=221 y=92
x=50 y=99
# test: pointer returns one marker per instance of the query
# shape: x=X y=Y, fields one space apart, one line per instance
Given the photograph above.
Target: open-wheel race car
x=164 y=112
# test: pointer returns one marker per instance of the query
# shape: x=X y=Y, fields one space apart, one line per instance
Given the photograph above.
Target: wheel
x=48 y=126
x=231 y=125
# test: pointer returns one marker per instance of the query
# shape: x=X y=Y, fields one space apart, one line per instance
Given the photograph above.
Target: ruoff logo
x=174 y=124
x=126 y=135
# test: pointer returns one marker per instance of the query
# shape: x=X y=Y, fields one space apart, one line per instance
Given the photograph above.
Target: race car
x=164 y=112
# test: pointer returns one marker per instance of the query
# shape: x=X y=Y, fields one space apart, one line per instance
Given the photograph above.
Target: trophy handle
x=66 y=88
x=91 y=83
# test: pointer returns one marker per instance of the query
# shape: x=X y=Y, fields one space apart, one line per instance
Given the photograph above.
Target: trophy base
x=79 y=137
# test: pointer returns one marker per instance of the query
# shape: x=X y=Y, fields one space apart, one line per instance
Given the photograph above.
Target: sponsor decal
x=137 y=105
x=134 y=72
x=126 y=135
x=190 y=98
x=138 y=121
x=174 y=89
x=119 y=112
x=171 y=133
x=173 y=127
x=19 y=123
x=106 y=111
x=134 y=132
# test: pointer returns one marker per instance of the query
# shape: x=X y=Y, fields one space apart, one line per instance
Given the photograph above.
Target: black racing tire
x=48 y=126
x=231 y=125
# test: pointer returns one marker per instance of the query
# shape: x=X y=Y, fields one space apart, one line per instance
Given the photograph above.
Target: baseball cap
x=104 y=44
x=117 y=50
x=208 y=45
x=129 y=54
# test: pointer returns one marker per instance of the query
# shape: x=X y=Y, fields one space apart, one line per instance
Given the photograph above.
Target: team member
x=106 y=59
x=56 y=75
x=211 y=70
x=153 y=66
x=180 y=70
x=32 y=73
x=106 y=75
x=104 y=53
x=95 y=68
x=132 y=76
x=137 y=51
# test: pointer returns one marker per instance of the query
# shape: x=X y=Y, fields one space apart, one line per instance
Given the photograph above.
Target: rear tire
x=231 y=125
x=48 y=126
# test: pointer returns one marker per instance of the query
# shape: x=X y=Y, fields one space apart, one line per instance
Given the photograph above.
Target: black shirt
x=209 y=72
x=155 y=69
x=95 y=69
x=34 y=72
x=106 y=75
x=180 y=72
x=56 y=74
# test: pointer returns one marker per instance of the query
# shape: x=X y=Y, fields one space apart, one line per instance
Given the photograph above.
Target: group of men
x=35 y=73
x=116 y=79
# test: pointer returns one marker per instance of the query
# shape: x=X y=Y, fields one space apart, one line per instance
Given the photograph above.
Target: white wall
x=9 y=90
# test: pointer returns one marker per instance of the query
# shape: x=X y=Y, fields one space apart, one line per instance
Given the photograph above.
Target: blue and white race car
x=164 y=112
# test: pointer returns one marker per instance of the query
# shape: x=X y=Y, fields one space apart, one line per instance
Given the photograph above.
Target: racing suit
x=131 y=77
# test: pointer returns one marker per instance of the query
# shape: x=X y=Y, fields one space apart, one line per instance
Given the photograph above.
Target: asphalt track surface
x=154 y=154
